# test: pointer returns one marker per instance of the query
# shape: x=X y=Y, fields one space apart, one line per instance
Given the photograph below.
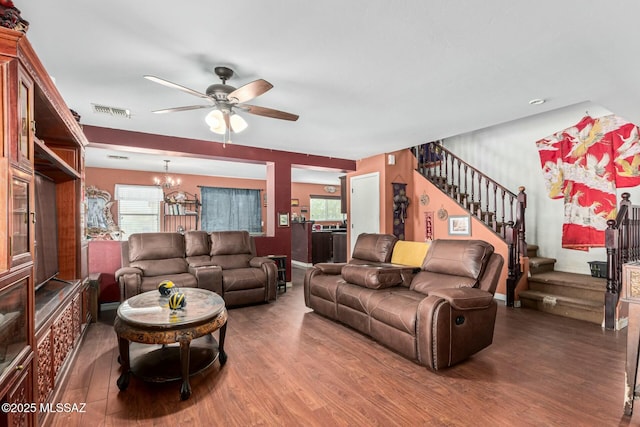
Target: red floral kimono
x=584 y=164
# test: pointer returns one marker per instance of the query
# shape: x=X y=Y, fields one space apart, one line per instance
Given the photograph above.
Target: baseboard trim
x=109 y=306
x=503 y=297
x=300 y=264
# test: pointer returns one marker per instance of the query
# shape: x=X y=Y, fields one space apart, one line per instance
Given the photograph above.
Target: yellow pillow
x=409 y=253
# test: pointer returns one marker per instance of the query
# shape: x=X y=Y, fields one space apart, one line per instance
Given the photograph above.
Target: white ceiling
x=365 y=76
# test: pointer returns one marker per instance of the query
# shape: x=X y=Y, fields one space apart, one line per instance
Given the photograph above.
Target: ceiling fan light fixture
x=238 y=124
x=215 y=121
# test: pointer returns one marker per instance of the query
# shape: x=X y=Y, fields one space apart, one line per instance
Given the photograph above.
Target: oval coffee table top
x=150 y=309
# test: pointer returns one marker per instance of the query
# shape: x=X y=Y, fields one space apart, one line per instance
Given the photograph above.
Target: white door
x=365 y=205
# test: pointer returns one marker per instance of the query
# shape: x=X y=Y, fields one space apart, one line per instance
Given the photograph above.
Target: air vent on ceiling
x=114 y=157
x=113 y=111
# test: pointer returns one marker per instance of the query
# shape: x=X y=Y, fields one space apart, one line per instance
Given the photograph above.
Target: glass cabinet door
x=13 y=323
x=20 y=237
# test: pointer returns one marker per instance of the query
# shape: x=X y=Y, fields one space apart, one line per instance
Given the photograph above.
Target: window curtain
x=226 y=209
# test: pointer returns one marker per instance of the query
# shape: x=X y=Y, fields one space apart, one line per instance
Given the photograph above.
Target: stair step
x=580 y=286
x=574 y=308
x=532 y=250
x=539 y=264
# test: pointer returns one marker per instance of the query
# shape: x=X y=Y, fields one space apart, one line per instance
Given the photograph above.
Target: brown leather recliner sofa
x=437 y=314
x=224 y=262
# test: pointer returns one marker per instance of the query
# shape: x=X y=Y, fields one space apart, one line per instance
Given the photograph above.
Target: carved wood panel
x=62 y=338
x=20 y=394
x=77 y=320
x=45 y=368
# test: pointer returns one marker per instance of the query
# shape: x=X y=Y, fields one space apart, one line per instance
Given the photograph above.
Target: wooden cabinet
x=40 y=140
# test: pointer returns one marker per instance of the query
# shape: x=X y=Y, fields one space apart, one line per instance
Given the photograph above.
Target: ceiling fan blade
x=269 y=112
x=249 y=91
x=186 y=108
x=176 y=86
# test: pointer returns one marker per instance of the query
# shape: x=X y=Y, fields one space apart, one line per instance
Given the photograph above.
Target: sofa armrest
x=197 y=264
x=271 y=271
x=127 y=270
x=130 y=281
x=330 y=268
x=208 y=276
x=465 y=298
x=453 y=324
x=259 y=261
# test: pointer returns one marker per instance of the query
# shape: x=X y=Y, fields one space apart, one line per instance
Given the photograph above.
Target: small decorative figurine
x=166 y=288
x=177 y=301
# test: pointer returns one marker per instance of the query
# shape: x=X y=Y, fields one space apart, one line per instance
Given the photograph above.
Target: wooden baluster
x=504 y=195
x=494 y=219
x=459 y=184
x=486 y=209
x=520 y=219
x=473 y=192
x=466 y=191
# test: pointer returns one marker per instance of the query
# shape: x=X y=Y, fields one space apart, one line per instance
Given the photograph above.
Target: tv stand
x=42 y=139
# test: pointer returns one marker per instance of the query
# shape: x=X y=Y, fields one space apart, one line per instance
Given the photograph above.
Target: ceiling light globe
x=238 y=124
x=214 y=118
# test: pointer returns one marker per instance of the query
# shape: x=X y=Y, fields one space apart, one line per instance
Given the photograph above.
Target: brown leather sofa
x=438 y=314
x=224 y=262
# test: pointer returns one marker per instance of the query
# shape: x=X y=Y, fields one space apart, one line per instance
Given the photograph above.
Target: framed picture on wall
x=283 y=219
x=459 y=225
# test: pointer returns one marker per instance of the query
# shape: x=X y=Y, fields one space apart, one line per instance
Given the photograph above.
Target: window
x=326 y=209
x=138 y=208
x=226 y=209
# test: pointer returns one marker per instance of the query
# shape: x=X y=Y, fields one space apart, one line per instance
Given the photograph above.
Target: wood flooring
x=288 y=366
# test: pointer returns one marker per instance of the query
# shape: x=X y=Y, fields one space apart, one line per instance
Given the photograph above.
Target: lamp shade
x=238 y=124
x=215 y=121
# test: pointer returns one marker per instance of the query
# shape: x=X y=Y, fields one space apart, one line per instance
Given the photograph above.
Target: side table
x=281 y=263
x=147 y=319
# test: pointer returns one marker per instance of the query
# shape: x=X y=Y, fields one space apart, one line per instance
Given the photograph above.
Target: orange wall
x=404 y=172
x=303 y=193
x=106 y=179
x=438 y=199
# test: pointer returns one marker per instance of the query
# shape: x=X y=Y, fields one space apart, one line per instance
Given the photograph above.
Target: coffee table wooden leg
x=185 y=390
x=222 y=354
x=123 y=380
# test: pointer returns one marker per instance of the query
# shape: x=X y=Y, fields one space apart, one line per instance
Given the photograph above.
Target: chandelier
x=167 y=182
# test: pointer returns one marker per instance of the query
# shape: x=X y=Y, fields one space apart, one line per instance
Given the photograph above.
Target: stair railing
x=622 y=240
x=500 y=209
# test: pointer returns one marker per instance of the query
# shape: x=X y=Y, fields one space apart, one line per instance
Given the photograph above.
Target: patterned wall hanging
x=400 y=204
x=428 y=226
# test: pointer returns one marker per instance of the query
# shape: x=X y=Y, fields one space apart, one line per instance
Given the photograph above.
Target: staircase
x=578 y=296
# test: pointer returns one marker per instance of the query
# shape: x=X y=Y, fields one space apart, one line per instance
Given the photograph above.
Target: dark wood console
x=39 y=331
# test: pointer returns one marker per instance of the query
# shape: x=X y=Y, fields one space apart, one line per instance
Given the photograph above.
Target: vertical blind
x=226 y=209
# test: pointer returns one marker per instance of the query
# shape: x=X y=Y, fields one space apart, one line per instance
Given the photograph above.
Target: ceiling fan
x=225 y=99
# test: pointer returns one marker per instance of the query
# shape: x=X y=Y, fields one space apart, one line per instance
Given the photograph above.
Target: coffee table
x=147 y=319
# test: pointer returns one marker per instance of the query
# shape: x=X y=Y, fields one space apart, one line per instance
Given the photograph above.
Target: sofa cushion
x=372 y=276
x=196 y=243
x=409 y=253
x=466 y=258
x=230 y=262
x=230 y=243
x=243 y=278
x=161 y=267
x=427 y=281
x=374 y=247
x=396 y=308
x=148 y=246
